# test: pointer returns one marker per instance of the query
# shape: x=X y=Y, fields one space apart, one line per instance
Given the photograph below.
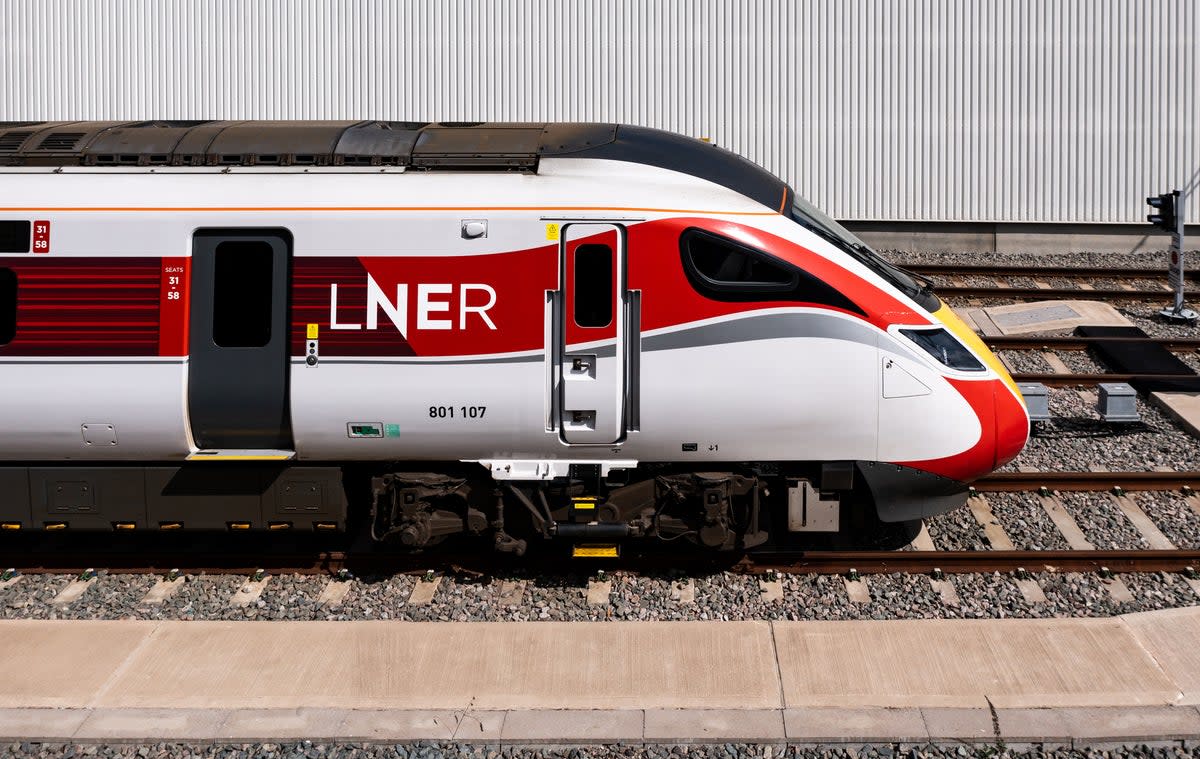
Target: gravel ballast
x=1076 y=438
x=719 y=596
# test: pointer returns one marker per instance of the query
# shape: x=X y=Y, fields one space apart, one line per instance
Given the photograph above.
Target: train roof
x=446 y=146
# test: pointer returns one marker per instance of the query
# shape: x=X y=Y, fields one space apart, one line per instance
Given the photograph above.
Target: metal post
x=1178 y=313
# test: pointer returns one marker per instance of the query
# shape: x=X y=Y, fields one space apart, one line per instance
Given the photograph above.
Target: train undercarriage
x=716 y=509
x=723 y=508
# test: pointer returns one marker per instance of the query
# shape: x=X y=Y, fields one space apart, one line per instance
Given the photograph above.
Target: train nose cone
x=1012 y=423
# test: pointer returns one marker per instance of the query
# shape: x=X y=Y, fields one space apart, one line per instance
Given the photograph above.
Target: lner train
x=590 y=333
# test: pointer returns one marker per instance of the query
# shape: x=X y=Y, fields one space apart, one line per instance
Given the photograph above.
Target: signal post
x=1168 y=215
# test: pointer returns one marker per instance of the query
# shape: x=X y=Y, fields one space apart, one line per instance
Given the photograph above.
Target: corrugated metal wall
x=989 y=110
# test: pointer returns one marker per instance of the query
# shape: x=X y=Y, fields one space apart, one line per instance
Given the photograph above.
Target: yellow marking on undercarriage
x=219 y=456
x=595 y=551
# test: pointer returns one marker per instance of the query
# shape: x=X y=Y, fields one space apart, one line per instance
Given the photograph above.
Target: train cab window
x=8 y=306
x=242 y=294
x=727 y=270
x=594 y=294
x=724 y=264
x=14 y=236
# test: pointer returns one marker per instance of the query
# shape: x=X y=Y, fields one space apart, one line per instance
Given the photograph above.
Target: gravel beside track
x=1080 y=362
x=1173 y=516
x=1102 y=522
x=1084 y=259
x=1024 y=362
x=1025 y=522
x=1076 y=438
x=956 y=531
x=720 y=596
x=1145 y=315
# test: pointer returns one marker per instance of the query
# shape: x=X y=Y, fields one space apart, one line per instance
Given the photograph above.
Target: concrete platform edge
x=1065 y=727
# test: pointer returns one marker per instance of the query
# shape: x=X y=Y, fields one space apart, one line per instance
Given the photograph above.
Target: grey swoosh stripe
x=764 y=327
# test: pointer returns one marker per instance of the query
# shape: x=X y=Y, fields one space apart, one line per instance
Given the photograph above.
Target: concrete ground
x=1094 y=681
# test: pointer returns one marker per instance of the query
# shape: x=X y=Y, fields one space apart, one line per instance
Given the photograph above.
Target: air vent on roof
x=12 y=140
x=11 y=124
x=456 y=124
x=404 y=126
x=60 y=142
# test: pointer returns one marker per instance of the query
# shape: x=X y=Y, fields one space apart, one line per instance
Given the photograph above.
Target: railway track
x=866 y=562
x=1074 y=343
x=299 y=557
x=945 y=276
x=1070 y=272
x=1055 y=379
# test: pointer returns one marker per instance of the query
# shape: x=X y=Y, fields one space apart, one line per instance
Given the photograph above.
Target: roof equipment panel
x=445 y=146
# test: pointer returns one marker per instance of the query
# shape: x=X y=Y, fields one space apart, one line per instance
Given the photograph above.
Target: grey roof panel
x=418 y=145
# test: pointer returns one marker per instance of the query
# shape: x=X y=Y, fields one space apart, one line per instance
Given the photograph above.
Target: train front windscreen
x=818 y=222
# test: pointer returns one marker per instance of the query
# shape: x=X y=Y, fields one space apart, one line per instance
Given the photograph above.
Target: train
x=581 y=334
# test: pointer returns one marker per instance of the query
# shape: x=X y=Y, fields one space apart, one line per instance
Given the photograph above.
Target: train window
x=594 y=285
x=14 y=236
x=725 y=264
x=727 y=270
x=8 y=306
x=242 y=294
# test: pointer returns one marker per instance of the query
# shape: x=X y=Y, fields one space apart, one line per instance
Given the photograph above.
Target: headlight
x=943 y=346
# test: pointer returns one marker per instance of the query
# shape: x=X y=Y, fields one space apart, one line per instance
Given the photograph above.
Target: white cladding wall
x=955 y=110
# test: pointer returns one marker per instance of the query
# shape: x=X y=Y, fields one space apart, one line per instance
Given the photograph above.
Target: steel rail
x=970 y=562
x=1050 y=293
x=1009 y=482
x=777 y=560
x=1053 y=379
x=1075 y=343
x=1083 y=272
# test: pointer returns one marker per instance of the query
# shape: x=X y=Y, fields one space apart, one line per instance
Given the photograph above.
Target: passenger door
x=238 y=370
x=593 y=338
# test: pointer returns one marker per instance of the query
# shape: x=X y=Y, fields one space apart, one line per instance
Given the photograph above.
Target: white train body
x=596 y=312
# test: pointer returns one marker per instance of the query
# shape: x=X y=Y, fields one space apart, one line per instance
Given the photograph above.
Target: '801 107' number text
x=459 y=412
